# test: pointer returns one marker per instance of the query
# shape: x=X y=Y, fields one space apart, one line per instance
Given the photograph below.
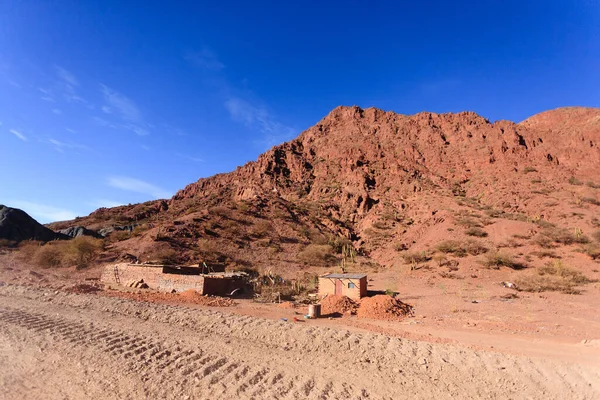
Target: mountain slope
x=16 y=225
x=378 y=181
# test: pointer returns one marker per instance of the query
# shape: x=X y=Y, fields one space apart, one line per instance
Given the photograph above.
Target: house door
x=338 y=287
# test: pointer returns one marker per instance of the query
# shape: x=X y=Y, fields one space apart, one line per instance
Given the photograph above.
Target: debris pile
x=84 y=288
x=338 y=305
x=214 y=301
x=138 y=284
x=383 y=307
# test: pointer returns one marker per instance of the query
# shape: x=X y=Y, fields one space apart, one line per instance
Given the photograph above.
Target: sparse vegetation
x=415 y=257
x=554 y=276
x=545 y=254
x=78 y=252
x=528 y=169
x=549 y=237
x=497 y=260
x=477 y=232
x=575 y=181
x=592 y=250
x=317 y=255
x=461 y=249
x=591 y=200
x=593 y=185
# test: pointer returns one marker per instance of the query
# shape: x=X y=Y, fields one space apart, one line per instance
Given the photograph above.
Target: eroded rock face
x=16 y=225
x=376 y=178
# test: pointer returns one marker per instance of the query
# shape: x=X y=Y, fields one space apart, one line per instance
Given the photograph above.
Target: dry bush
x=595 y=222
x=415 y=257
x=220 y=211
x=593 y=185
x=596 y=236
x=469 y=222
x=317 y=255
x=7 y=243
x=121 y=235
x=262 y=228
x=591 y=200
x=339 y=243
x=549 y=237
x=461 y=249
x=554 y=276
x=440 y=259
x=545 y=254
x=528 y=169
x=497 y=260
x=592 y=250
x=166 y=256
x=575 y=181
x=380 y=225
x=477 y=232
x=79 y=252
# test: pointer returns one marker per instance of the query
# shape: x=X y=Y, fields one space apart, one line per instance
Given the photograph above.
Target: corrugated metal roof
x=344 y=276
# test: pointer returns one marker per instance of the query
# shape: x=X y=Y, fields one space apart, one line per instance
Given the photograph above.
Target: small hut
x=351 y=285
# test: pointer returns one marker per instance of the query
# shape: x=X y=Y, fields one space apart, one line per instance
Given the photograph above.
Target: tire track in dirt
x=157 y=360
x=225 y=355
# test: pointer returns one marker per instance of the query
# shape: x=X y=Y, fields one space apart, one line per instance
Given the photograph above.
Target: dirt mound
x=337 y=305
x=197 y=298
x=287 y=304
x=383 y=307
x=84 y=288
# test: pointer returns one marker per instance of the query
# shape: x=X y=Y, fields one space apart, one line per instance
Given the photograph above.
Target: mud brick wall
x=180 y=283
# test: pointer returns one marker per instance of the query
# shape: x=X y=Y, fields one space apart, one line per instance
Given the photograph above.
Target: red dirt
x=383 y=307
x=337 y=305
x=189 y=296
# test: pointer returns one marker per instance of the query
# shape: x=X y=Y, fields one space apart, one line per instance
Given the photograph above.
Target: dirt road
x=55 y=345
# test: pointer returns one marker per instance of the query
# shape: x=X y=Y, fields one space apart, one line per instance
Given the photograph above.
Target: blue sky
x=114 y=102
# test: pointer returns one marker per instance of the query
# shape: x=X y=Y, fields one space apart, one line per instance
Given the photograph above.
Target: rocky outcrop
x=16 y=225
x=77 y=231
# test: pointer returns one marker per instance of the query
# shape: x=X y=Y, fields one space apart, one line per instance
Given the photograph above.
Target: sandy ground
x=56 y=345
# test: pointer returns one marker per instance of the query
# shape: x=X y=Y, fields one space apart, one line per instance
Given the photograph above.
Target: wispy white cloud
x=138 y=186
x=175 y=131
x=205 y=59
x=122 y=104
x=144 y=147
x=138 y=130
x=62 y=146
x=103 y=122
x=126 y=109
x=42 y=212
x=258 y=116
x=189 y=158
x=18 y=134
x=66 y=76
x=56 y=111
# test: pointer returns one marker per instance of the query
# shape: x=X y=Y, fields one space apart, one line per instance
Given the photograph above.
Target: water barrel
x=314 y=310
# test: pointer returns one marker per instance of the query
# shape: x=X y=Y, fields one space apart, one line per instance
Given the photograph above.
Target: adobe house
x=175 y=278
x=351 y=285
